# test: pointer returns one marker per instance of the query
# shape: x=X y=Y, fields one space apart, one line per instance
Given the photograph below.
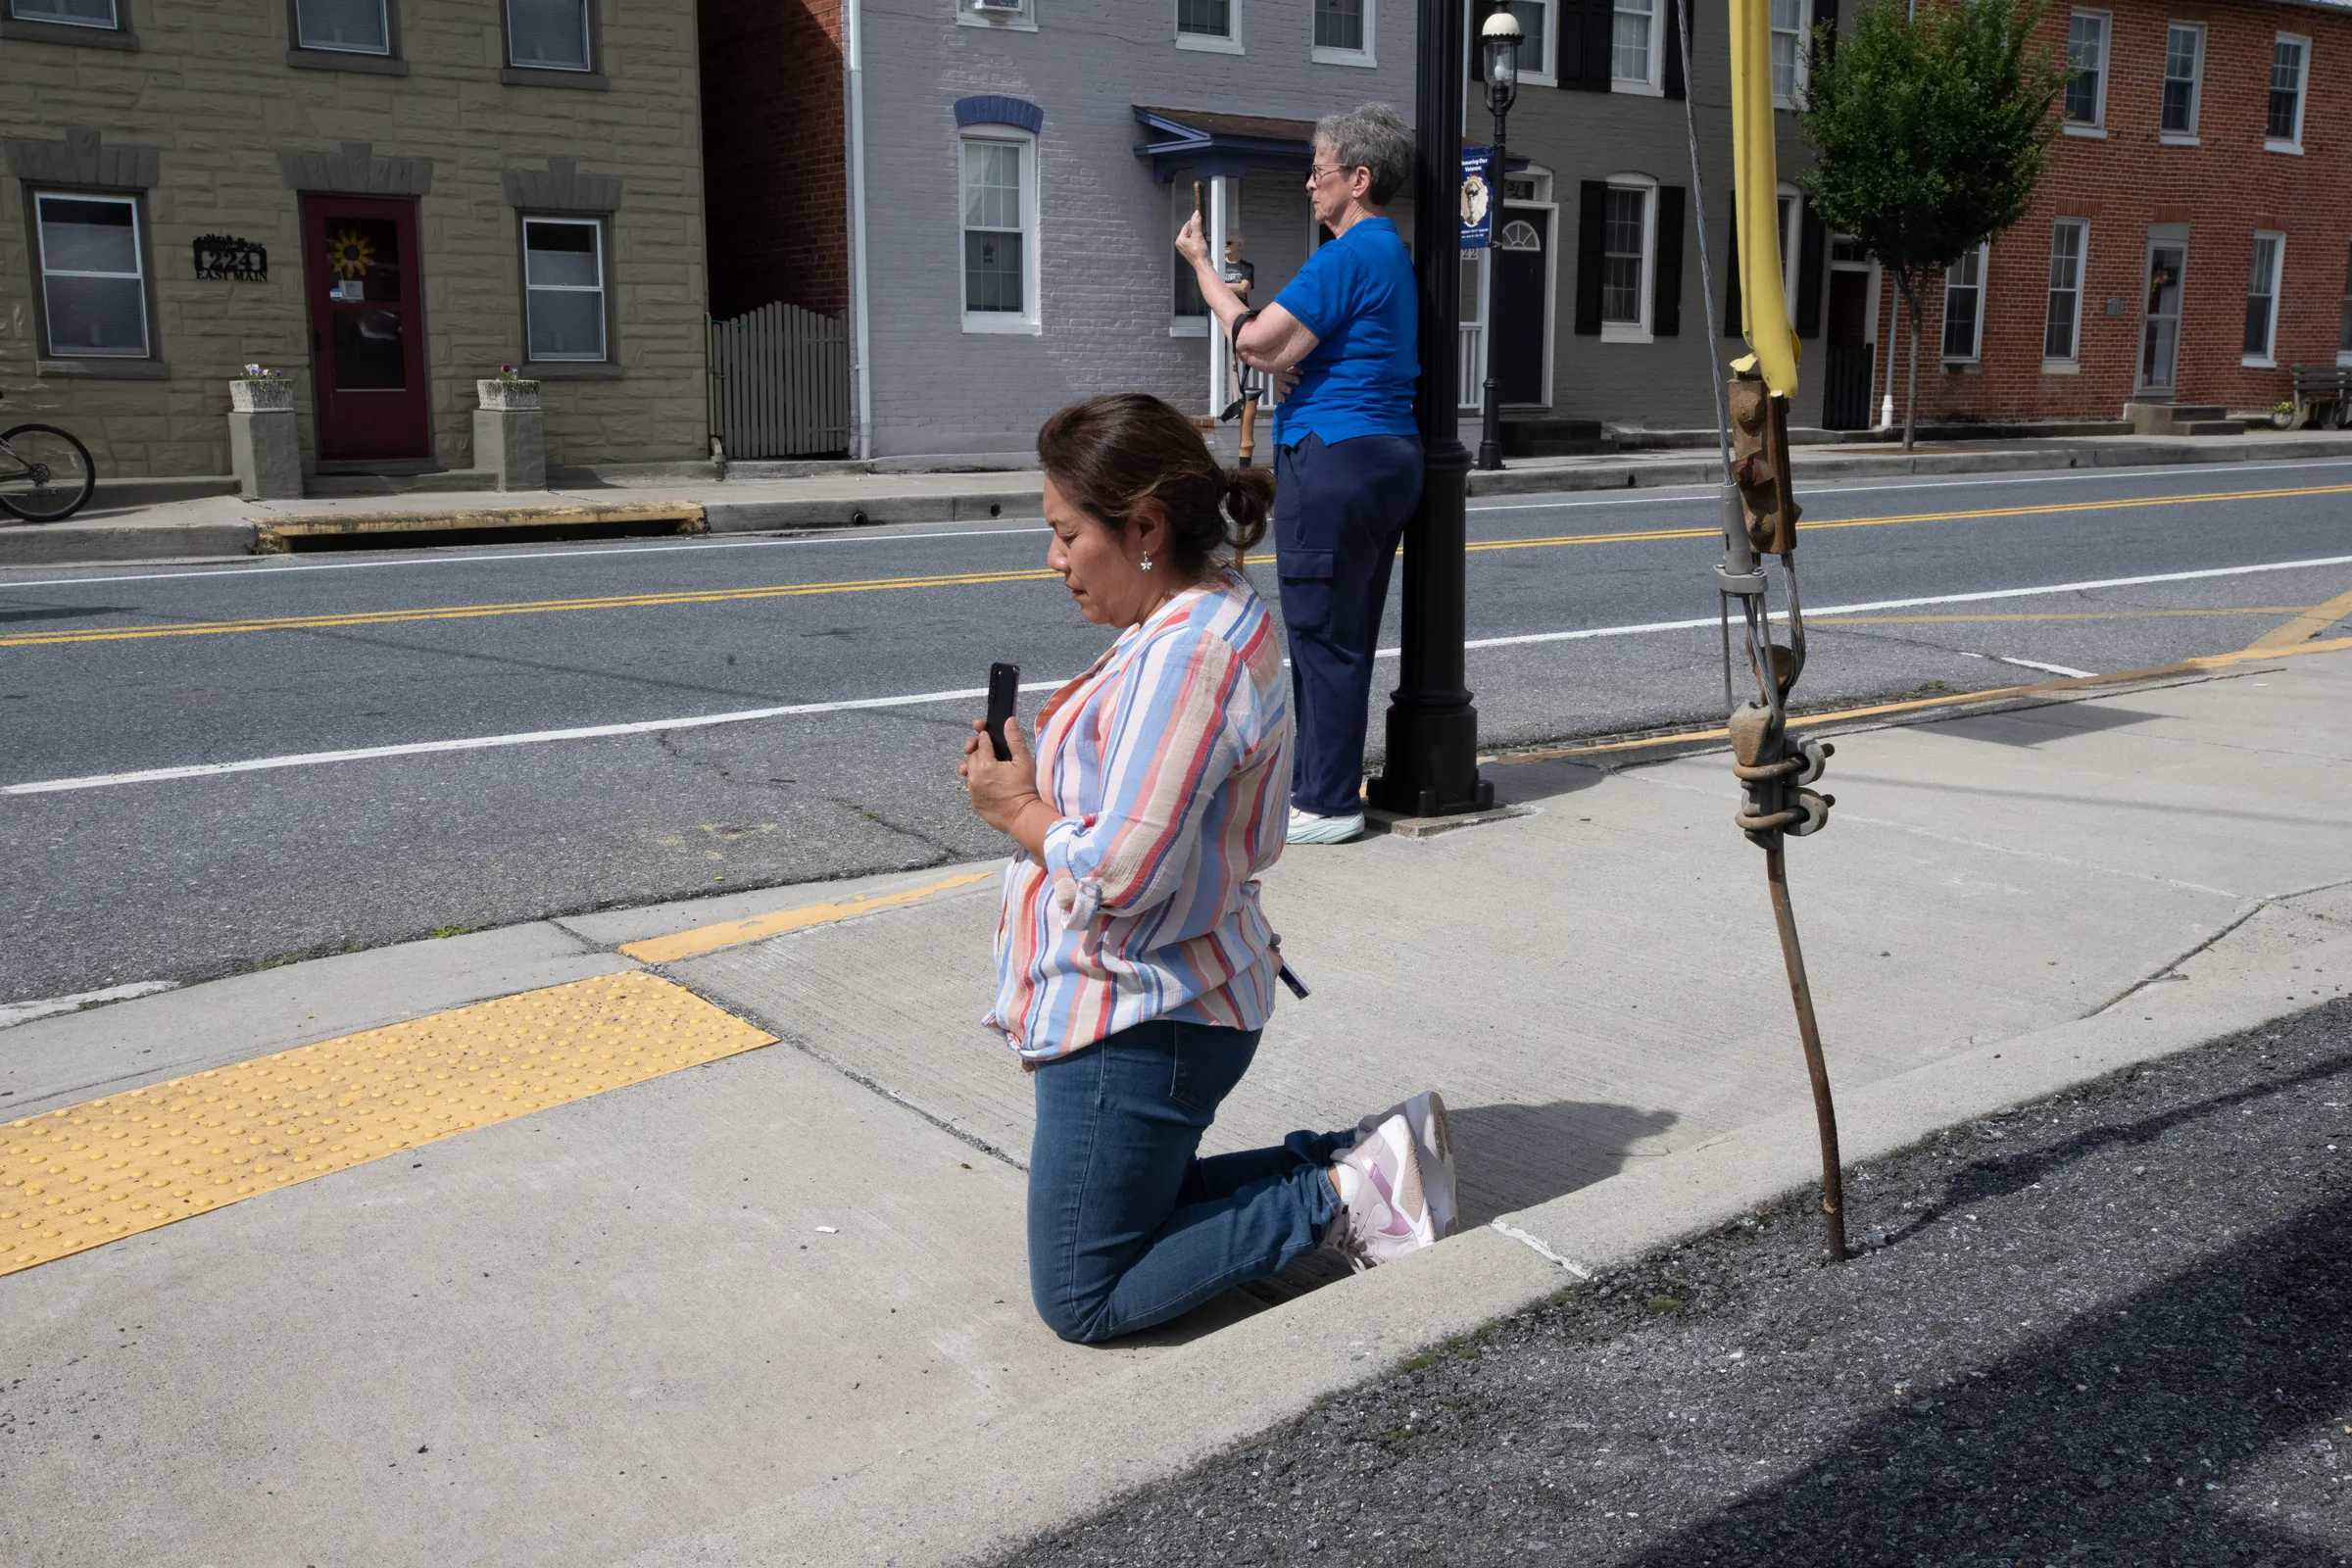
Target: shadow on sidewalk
x=1514 y=1156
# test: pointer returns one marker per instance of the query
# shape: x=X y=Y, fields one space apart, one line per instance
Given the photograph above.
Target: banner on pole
x=1478 y=198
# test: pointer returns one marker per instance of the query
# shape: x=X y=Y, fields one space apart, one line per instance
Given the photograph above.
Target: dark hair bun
x=1109 y=454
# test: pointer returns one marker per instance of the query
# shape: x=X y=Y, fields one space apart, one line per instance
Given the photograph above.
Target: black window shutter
x=1478 y=54
x=1824 y=15
x=1600 y=17
x=1813 y=240
x=1568 y=43
x=1672 y=77
x=1666 y=295
x=1733 y=326
x=1592 y=213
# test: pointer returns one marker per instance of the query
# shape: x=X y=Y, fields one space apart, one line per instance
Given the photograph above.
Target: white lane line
x=478 y=743
x=7 y=584
x=16 y=1013
x=2031 y=663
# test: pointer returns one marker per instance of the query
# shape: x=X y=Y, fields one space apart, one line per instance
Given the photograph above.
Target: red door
x=367 y=328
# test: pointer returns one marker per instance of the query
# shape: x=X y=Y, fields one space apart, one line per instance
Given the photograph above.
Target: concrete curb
x=842 y=501
x=982 y=1493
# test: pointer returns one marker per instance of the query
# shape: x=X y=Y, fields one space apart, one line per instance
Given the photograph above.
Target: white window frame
x=2070 y=361
x=139 y=252
x=588 y=42
x=1012 y=15
x=2196 y=87
x=1229 y=44
x=1798 y=77
x=2343 y=331
x=1026 y=321
x=2096 y=125
x=2267 y=358
x=113 y=11
x=603 y=291
x=1975 y=349
x=1652 y=84
x=303 y=40
x=1325 y=55
x=1640 y=329
x=2295 y=144
x=1789 y=207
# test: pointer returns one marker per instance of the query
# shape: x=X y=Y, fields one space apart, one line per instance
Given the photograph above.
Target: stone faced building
x=383 y=199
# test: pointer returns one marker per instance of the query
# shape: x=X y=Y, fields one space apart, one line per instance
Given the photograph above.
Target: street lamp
x=1432 y=766
x=1500 y=39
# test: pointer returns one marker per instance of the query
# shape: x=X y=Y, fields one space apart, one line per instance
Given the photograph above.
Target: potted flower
x=507 y=391
x=261 y=390
x=2283 y=414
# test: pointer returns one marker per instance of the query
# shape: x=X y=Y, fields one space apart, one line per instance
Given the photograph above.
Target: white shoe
x=1309 y=828
x=1384 y=1212
x=1432 y=1137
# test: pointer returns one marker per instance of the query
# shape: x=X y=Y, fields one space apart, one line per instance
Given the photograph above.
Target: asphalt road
x=229 y=680
x=2113 y=1330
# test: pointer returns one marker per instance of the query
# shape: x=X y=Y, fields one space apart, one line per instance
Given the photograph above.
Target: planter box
x=506 y=396
x=262 y=394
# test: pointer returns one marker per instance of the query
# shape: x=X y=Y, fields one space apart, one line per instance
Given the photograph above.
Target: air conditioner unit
x=1003 y=8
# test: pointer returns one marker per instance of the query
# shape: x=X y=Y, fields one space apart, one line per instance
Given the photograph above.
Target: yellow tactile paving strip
x=76 y=1178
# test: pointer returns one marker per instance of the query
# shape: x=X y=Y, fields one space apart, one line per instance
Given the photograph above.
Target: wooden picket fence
x=780 y=383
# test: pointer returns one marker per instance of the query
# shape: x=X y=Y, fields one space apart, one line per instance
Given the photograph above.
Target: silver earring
x=1146 y=560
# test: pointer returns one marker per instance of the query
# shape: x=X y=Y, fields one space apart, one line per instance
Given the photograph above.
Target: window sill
x=570 y=370
x=1209 y=44
x=101 y=370
x=67 y=32
x=2343 y=358
x=2077 y=128
x=553 y=77
x=1537 y=78
x=1341 y=56
x=2062 y=366
x=1637 y=89
x=1624 y=332
x=2257 y=361
x=345 y=59
x=2272 y=144
x=1009 y=22
x=1188 y=326
x=991 y=324
x=1962 y=367
x=2178 y=138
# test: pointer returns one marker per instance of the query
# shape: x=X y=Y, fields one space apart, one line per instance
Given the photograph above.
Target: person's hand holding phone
x=1004 y=794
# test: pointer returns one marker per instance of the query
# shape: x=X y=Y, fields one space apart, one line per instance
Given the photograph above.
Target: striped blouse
x=1169 y=765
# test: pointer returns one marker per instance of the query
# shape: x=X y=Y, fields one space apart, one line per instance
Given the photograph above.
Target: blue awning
x=1220 y=146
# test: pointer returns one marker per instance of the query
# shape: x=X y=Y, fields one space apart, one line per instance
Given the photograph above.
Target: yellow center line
x=963 y=580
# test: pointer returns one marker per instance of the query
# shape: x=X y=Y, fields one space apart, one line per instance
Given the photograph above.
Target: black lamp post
x=1432 y=766
x=1500 y=39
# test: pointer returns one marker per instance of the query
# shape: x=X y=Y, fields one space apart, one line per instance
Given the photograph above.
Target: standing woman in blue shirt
x=1346 y=452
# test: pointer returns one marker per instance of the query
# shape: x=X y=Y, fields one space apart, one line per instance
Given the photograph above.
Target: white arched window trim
x=1641 y=329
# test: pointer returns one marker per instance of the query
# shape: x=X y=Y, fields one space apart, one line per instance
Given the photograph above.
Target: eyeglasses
x=1315 y=171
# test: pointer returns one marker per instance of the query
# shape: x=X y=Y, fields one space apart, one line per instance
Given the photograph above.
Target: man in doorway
x=1239 y=276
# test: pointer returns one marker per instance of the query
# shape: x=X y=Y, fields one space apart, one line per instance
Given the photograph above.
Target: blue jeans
x=1339 y=512
x=1127 y=1226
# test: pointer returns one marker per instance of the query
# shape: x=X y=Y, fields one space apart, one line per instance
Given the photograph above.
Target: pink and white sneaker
x=1384 y=1209
x=1432 y=1137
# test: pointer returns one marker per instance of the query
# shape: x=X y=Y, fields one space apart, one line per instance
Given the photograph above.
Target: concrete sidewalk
x=774 y=1309
x=762 y=498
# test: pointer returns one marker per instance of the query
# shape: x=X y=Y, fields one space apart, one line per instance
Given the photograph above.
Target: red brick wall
x=775 y=191
x=2225 y=189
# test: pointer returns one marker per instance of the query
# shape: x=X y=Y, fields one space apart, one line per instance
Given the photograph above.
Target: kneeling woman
x=1134 y=965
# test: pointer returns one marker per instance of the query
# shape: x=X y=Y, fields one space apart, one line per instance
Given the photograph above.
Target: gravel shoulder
x=2114 y=1327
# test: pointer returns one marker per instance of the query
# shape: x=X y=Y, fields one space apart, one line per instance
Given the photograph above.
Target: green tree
x=1929 y=124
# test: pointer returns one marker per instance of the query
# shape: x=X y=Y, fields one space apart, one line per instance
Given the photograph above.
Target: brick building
x=2190 y=240
x=385 y=199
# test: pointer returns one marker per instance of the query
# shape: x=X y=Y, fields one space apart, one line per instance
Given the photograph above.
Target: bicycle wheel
x=45 y=474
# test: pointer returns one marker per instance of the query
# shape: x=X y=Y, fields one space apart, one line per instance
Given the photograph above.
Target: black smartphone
x=1004 y=698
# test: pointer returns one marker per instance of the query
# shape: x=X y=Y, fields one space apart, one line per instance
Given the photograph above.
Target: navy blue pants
x=1128 y=1226
x=1339 y=512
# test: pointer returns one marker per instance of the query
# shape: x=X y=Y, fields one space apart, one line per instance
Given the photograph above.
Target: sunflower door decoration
x=351 y=254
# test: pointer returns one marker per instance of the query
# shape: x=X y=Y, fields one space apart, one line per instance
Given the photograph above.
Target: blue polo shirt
x=1357 y=295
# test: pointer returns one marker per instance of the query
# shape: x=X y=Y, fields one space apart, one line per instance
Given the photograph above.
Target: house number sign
x=222 y=257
